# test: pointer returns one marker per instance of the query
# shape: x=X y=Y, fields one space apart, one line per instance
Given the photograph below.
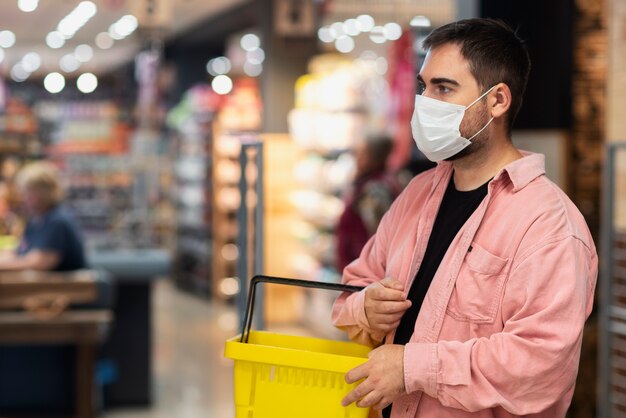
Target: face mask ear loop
x=481 y=96
x=482 y=129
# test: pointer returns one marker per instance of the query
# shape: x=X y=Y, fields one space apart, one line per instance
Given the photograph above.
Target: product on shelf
x=238 y=121
x=191 y=122
x=338 y=103
x=83 y=127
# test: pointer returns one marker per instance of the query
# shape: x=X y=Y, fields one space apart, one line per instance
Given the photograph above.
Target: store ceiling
x=169 y=18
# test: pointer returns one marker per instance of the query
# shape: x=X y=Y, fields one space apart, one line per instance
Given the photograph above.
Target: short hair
x=42 y=177
x=379 y=147
x=495 y=54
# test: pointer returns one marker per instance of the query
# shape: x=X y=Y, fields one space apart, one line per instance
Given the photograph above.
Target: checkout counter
x=129 y=344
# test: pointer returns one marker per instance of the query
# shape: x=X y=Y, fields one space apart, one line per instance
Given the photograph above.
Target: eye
x=443 y=89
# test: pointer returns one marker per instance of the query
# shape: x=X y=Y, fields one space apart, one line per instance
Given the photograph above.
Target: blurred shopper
x=51 y=239
x=371 y=195
x=482 y=274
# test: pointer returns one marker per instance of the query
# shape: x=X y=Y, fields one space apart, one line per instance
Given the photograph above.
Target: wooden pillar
x=589 y=107
x=85 y=360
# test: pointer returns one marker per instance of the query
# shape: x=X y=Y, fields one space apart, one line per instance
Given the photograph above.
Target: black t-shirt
x=455 y=209
x=55 y=231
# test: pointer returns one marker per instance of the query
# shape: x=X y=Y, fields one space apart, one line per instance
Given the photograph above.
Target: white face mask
x=436 y=127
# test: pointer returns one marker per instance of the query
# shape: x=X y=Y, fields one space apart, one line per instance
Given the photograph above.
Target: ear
x=499 y=100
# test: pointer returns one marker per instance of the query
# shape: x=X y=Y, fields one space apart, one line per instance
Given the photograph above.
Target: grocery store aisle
x=192 y=378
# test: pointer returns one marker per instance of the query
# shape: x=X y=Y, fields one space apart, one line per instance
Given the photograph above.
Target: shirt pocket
x=478 y=288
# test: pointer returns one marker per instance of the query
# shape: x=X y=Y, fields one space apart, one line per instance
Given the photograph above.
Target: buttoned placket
x=409 y=404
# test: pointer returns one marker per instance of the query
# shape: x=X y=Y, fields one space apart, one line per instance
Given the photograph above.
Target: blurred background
x=200 y=142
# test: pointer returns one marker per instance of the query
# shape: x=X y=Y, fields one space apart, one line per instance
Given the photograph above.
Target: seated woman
x=51 y=240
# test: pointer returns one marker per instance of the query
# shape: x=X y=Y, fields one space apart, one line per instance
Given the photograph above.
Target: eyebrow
x=439 y=80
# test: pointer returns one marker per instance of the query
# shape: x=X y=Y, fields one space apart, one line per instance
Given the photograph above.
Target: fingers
x=393 y=307
x=372 y=398
x=385 y=304
x=392 y=283
x=356 y=393
x=382 y=404
x=356 y=374
x=365 y=396
x=380 y=292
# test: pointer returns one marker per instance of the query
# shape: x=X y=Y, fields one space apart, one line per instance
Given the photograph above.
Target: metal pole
x=244 y=240
x=604 y=398
x=259 y=231
x=242 y=235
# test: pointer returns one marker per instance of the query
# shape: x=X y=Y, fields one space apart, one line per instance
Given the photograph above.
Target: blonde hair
x=41 y=177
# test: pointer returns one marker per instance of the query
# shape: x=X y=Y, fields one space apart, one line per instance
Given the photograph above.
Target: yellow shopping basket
x=285 y=376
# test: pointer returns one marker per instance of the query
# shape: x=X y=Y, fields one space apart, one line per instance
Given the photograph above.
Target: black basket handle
x=247 y=324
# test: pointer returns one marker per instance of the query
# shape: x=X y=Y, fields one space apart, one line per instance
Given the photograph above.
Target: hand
x=384 y=378
x=385 y=303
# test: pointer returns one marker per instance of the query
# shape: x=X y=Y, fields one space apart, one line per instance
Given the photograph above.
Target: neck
x=476 y=169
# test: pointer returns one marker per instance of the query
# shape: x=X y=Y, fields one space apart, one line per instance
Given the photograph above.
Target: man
x=481 y=275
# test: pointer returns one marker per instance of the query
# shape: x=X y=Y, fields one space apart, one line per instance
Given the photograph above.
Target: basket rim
x=293 y=357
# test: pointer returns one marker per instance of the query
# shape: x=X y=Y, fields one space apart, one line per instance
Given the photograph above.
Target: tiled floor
x=193 y=379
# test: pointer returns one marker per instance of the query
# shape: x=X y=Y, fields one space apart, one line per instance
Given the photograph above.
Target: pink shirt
x=500 y=329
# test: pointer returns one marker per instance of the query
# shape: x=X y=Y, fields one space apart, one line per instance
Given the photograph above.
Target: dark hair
x=379 y=147
x=495 y=54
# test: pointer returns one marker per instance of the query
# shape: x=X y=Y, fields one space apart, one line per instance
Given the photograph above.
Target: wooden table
x=83 y=328
x=15 y=286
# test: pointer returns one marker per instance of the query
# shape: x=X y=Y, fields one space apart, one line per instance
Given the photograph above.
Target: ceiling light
x=256 y=57
x=252 y=70
x=104 y=40
x=366 y=22
x=337 y=31
x=377 y=35
x=55 y=40
x=123 y=27
x=114 y=34
x=27 y=5
x=76 y=19
x=222 y=84
x=352 y=27
x=18 y=73
x=7 y=39
x=69 y=63
x=87 y=82
x=86 y=9
x=83 y=53
x=345 y=44
x=218 y=66
x=250 y=42
x=127 y=25
x=420 y=22
x=31 y=62
x=54 y=82
x=392 y=31
x=324 y=34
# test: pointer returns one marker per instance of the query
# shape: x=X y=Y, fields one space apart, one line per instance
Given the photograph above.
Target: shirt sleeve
x=53 y=238
x=533 y=362
x=349 y=309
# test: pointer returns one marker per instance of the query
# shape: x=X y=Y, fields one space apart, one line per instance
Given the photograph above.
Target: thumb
x=392 y=283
